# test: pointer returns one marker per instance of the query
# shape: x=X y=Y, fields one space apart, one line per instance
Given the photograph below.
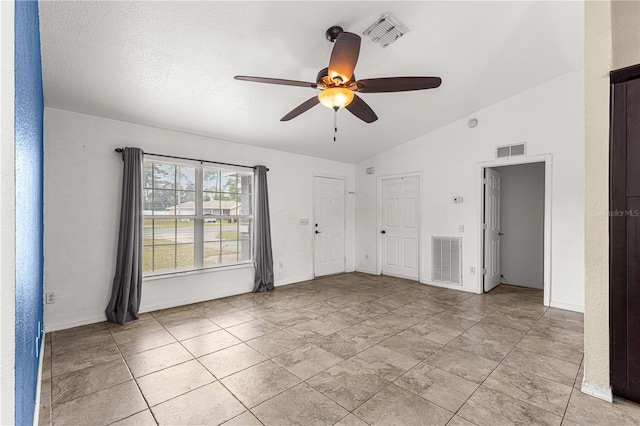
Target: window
x=195 y=217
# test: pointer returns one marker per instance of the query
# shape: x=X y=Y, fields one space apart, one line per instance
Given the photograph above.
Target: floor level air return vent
x=447 y=260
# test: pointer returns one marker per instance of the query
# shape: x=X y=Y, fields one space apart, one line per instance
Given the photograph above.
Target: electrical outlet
x=51 y=298
x=472 y=270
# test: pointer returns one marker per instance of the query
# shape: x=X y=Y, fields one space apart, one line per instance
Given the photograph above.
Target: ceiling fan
x=337 y=83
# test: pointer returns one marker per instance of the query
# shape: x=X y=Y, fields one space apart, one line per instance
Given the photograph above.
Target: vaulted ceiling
x=171 y=65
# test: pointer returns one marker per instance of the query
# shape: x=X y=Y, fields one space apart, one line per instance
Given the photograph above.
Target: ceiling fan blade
x=362 y=110
x=344 y=56
x=276 y=81
x=307 y=105
x=396 y=84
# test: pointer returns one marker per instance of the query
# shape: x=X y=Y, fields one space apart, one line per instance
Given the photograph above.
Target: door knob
x=500 y=234
x=383 y=232
x=318 y=232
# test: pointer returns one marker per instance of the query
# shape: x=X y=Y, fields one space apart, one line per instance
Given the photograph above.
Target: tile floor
x=349 y=350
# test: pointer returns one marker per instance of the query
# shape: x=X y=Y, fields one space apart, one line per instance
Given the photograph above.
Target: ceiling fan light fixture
x=335 y=97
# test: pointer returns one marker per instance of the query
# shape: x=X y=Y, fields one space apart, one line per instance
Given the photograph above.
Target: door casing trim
x=547 y=159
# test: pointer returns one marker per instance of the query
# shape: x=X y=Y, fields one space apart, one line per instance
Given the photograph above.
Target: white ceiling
x=171 y=65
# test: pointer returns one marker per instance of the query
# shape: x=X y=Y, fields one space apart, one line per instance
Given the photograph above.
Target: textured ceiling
x=171 y=65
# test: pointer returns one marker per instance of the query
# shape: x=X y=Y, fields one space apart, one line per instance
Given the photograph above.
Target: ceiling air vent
x=386 y=30
x=511 y=150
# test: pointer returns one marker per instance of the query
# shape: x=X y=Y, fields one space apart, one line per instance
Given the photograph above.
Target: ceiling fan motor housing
x=333 y=33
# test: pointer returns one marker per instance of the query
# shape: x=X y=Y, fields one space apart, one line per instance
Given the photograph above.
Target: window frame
x=198 y=218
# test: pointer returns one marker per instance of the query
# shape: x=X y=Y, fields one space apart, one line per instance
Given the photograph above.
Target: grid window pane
x=164 y=176
x=180 y=236
x=211 y=180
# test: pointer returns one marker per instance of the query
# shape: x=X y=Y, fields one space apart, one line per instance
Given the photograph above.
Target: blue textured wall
x=29 y=111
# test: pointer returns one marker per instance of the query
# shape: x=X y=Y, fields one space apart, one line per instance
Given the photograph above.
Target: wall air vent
x=447 y=260
x=386 y=30
x=511 y=150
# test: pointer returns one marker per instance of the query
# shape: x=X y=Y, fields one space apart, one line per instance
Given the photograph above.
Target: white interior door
x=491 y=229
x=400 y=232
x=329 y=229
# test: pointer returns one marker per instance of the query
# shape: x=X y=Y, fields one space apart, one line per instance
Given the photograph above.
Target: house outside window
x=195 y=217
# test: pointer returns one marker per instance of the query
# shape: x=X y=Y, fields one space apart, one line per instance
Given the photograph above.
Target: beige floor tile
x=252 y=329
x=77 y=331
x=301 y=405
x=314 y=329
x=173 y=381
x=77 y=360
x=307 y=361
x=178 y=318
x=78 y=383
x=244 y=419
x=397 y=406
x=384 y=362
x=443 y=328
x=135 y=329
x=566 y=324
x=548 y=367
x=568 y=337
x=209 y=405
x=459 y=421
x=411 y=343
x=101 y=408
x=153 y=360
x=489 y=407
x=259 y=383
x=231 y=360
x=143 y=418
x=484 y=347
x=214 y=308
x=351 y=420
x=145 y=342
x=44 y=414
x=196 y=327
x=232 y=318
x=209 y=343
x=316 y=310
x=287 y=319
x=438 y=386
x=554 y=349
x=464 y=364
x=587 y=410
x=348 y=384
x=81 y=341
x=528 y=387
x=343 y=345
x=276 y=343
x=522 y=323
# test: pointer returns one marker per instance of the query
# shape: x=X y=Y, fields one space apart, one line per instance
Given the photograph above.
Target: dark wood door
x=624 y=261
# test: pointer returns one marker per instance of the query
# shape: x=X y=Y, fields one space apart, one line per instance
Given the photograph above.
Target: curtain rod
x=119 y=150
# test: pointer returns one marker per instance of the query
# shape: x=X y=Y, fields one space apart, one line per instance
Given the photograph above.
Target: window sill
x=245 y=265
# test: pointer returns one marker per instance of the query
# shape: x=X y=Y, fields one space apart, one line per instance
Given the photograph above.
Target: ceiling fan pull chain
x=335 y=123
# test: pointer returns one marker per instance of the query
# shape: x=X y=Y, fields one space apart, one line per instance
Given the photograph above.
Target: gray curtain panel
x=262 y=255
x=127 y=284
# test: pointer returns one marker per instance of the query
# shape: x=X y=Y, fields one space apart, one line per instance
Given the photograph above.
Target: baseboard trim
x=36 y=410
x=366 y=271
x=597 y=391
x=449 y=286
x=567 y=306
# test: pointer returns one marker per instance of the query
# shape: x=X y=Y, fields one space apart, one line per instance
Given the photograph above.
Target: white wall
x=83 y=178
x=550 y=119
x=522 y=223
x=7 y=216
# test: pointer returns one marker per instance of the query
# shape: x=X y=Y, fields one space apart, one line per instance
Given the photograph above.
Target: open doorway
x=515 y=214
